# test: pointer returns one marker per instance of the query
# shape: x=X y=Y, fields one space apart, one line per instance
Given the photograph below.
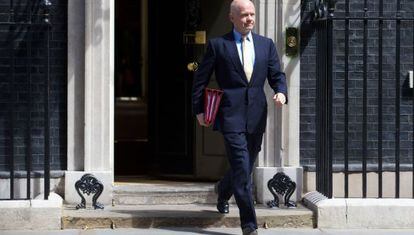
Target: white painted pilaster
x=280 y=151
x=99 y=89
x=291 y=66
x=76 y=84
x=266 y=18
x=97 y=127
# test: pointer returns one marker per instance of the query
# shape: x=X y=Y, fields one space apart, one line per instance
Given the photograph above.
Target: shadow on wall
x=76 y=82
x=101 y=15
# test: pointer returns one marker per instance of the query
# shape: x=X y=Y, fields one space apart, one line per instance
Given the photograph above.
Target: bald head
x=237 y=4
x=242 y=15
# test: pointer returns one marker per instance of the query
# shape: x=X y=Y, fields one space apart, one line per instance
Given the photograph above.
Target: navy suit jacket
x=243 y=107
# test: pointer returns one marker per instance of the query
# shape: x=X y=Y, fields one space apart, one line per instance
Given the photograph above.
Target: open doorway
x=131 y=88
x=153 y=120
x=155 y=131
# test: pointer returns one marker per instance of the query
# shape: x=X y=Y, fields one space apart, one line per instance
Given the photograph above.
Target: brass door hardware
x=292 y=41
x=192 y=66
x=197 y=37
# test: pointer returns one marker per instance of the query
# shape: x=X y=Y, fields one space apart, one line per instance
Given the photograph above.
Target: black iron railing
x=327 y=22
x=324 y=100
x=34 y=17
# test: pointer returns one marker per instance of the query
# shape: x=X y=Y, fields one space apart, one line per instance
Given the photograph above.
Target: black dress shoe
x=223 y=207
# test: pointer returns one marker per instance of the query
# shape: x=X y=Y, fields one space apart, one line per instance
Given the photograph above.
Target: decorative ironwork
x=358 y=23
x=22 y=22
x=320 y=10
x=46 y=5
x=193 y=15
x=324 y=12
x=283 y=185
x=89 y=185
x=331 y=7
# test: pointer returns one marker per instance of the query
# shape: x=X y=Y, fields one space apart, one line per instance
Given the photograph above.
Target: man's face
x=243 y=17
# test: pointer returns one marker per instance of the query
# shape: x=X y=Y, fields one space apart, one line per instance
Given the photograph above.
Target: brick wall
x=29 y=48
x=308 y=84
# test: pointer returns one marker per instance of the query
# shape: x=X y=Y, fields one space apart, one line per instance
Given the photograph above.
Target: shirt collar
x=238 y=36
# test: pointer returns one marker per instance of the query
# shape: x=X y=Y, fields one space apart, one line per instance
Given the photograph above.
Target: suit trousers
x=242 y=150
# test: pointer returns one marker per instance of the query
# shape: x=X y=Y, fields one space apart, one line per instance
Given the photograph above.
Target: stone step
x=163 y=192
x=194 y=215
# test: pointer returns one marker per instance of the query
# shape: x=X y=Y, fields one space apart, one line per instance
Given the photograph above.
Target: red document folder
x=212 y=98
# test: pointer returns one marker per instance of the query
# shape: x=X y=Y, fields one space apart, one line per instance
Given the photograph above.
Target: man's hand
x=200 y=119
x=279 y=99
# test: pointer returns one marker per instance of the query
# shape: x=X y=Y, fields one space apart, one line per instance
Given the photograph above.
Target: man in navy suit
x=242 y=61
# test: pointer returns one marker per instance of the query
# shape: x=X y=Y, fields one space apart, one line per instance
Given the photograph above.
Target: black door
x=171 y=122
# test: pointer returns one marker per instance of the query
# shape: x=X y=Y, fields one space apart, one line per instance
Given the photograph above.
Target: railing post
x=46 y=5
x=12 y=100
x=324 y=98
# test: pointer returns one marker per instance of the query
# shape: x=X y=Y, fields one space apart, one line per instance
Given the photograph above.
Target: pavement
x=212 y=231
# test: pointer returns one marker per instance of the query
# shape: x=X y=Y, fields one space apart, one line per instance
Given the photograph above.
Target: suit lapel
x=234 y=54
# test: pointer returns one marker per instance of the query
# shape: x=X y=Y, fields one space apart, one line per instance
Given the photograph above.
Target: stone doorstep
x=194 y=215
x=160 y=186
x=164 y=199
x=160 y=193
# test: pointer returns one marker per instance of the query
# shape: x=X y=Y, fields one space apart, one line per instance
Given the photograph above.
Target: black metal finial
x=46 y=5
x=319 y=10
x=323 y=9
x=331 y=7
x=11 y=11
